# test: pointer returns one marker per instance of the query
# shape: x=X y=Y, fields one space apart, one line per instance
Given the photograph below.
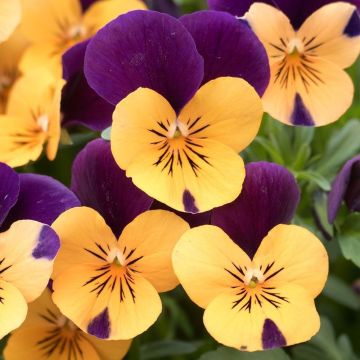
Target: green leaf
x=320 y=206
x=270 y=149
x=322 y=346
x=167 y=348
x=303 y=155
x=106 y=134
x=349 y=238
x=315 y=178
x=337 y=290
x=225 y=353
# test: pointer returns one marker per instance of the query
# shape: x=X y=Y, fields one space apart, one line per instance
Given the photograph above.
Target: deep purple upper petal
x=340 y=187
x=296 y=10
x=80 y=104
x=9 y=190
x=41 y=198
x=164 y=6
x=99 y=183
x=269 y=197
x=85 y=4
x=229 y=48
x=144 y=49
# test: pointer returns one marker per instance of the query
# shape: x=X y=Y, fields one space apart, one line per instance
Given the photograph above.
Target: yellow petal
x=102 y=12
x=329 y=33
x=222 y=115
x=85 y=238
x=300 y=253
x=265 y=326
x=270 y=25
x=49 y=20
x=10 y=14
x=207 y=263
x=118 y=308
x=316 y=93
x=28 y=247
x=151 y=238
x=188 y=172
x=13 y=308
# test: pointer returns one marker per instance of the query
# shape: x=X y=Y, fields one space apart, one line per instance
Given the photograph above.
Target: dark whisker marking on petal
x=95 y=254
x=237 y=302
x=134 y=261
x=268 y=267
x=100 y=288
x=274 y=303
x=94 y=278
x=277 y=47
x=258 y=300
x=274 y=274
x=200 y=129
x=234 y=275
x=160 y=123
x=132 y=292
x=277 y=295
x=4 y=269
x=193 y=123
x=129 y=254
x=309 y=41
x=157 y=133
x=200 y=156
x=247 y=306
x=101 y=249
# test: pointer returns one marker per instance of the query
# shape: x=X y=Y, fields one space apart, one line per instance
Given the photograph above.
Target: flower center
x=43 y=122
x=253 y=277
x=76 y=32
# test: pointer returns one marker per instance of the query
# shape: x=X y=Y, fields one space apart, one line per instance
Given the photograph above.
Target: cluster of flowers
x=183 y=97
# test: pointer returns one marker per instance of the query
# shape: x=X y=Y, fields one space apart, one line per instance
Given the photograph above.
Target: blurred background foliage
x=314 y=156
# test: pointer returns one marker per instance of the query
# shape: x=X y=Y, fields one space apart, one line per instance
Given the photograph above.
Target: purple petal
x=296 y=10
x=80 y=104
x=85 y=4
x=9 y=190
x=192 y=219
x=341 y=189
x=144 y=49
x=272 y=337
x=269 y=197
x=229 y=48
x=41 y=198
x=164 y=6
x=100 y=325
x=48 y=244
x=99 y=183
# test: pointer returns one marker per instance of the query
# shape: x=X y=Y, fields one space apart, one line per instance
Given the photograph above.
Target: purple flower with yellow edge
x=32 y=120
x=177 y=142
x=10 y=15
x=27 y=247
x=308 y=85
x=256 y=289
x=54 y=26
x=346 y=187
x=46 y=333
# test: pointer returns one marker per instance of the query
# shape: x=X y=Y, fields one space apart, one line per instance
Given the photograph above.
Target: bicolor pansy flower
x=32 y=120
x=47 y=334
x=32 y=197
x=179 y=143
x=255 y=300
x=346 y=187
x=308 y=85
x=10 y=15
x=54 y=26
x=109 y=286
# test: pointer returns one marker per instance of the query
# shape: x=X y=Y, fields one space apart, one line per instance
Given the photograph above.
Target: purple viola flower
x=80 y=104
x=296 y=10
x=346 y=187
x=164 y=6
x=173 y=57
x=31 y=197
x=269 y=197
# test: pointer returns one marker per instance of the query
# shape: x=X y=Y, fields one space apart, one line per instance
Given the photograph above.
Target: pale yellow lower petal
x=10 y=15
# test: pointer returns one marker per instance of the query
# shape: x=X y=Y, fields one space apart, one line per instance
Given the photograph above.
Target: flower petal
x=205 y=260
x=84 y=235
x=28 y=249
x=264 y=326
x=41 y=198
x=104 y=314
x=100 y=184
x=10 y=15
x=269 y=197
x=301 y=255
x=340 y=187
x=337 y=40
x=229 y=48
x=13 y=308
x=80 y=104
x=162 y=56
x=151 y=237
x=165 y=6
x=9 y=190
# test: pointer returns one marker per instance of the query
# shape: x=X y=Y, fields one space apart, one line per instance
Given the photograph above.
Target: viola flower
x=308 y=85
x=46 y=333
x=54 y=26
x=10 y=15
x=255 y=300
x=181 y=142
x=32 y=121
x=346 y=187
x=109 y=287
x=10 y=54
